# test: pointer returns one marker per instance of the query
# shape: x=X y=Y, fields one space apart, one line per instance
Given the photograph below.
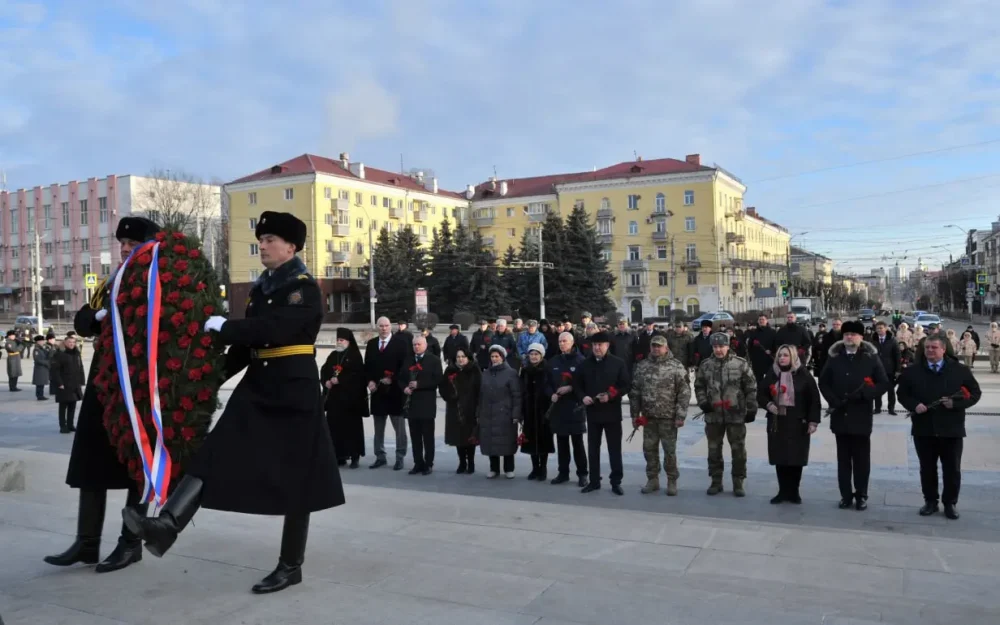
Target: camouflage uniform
x=680 y=344
x=660 y=392
x=719 y=380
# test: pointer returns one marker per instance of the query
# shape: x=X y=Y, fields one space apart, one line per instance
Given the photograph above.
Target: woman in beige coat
x=967 y=348
x=993 y=341
x=953 y=339
x=904 y=335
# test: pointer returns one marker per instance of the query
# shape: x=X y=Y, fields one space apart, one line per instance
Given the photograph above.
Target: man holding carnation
x=270 y=452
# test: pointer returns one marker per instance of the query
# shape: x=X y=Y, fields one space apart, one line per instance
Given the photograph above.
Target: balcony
x=339 y=204
x=483 y=221
x=635 y=290
x=489 y=241
x=536 y=217
x=395 y=212
x=661 y=214
x=605 y=239
x=341 y=230
x=659 y=235
x=339 y=258
x=691 y=263
x=632 y=265
x=738 y=239
x=420 y=215
x=604 y=213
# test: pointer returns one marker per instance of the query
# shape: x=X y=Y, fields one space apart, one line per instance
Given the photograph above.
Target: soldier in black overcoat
x=270 y=452
x=419 y=381
x=343 y=377
x=94 y=467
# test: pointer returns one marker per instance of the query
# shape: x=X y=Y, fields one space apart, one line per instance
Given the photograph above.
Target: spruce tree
x=558 y=293
x=413 y=262
x=586 y=269
x=489 y=292
x=444 y=284
x=390 y=278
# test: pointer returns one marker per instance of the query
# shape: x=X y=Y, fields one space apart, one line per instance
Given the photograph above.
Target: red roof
x=312 y=164
x=545 y=185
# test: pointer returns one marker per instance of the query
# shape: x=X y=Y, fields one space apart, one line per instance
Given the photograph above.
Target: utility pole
x=36 y=280
x=372 y=294
x=541 y=277
x=673 y=283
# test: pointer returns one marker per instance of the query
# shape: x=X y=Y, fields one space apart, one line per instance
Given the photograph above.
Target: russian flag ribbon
x=156 y=463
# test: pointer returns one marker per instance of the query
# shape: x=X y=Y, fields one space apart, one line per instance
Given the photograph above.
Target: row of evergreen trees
x=462 y=276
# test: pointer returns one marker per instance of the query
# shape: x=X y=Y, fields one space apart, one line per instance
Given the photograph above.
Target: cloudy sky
x=897 y=104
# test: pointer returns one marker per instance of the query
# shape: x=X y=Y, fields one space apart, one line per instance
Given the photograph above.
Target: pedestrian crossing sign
x=90 y=280
x=982 y=278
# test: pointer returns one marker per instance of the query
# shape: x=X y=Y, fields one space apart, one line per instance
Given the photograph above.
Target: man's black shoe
x=378 y=464
x=562 y=478
x=845 y=504
x=581 y=482
x=929 y=508
x=427 y=471
x=861 y=505
x=399 y=465
x=950 y=511
x=415 y=470
x=617 y=489
x=591 y=487
x=892 y=412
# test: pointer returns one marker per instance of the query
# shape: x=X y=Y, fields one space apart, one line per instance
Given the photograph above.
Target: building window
x=17 y=274
x=65 y=214
x=605 y=204
x=253 y=223
x=83 y=213
x=254 y=274
x=106 y=270
x=66 y=246
x=512 y=232
x=254 y=249
x=633 y=202
x=13 y=221
x=328 y=218
x=635 y=278
x=386 y=202
x=661 y=252
x=691 y=251
x=603 y=226
x=634 y=252
x=344 y=219
x=29 y=214
x=67 y=271
x=85 y=247
x=375 y=224
x=102 y=209
x=360 y=248
x=358 y=198
x=344 y=194
x=85 y=268
x=661 y=225
x=510 y=211
x=661 y=203
x=329 y=271
x=689 y=224
x=692 y=277
x=359 y=223
x=661 y=278
x=252 y=197
x=289 y=193
x=633 y=227
x=374 y=199
x=329 y=246
x=606 y=254
x=48 y=248
x=663 y=307
x=327 y=193
x=688 y=198
x=47 y=216
x=15 y=252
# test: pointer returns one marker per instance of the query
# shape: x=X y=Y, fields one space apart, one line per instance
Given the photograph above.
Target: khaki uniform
x=993 y=338
x=719 y=380
x=660 y=392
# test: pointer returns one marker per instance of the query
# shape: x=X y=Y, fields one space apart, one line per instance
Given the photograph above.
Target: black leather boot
x=129 y=547
x=160 y=532
x=293 y=553
x=89 y=524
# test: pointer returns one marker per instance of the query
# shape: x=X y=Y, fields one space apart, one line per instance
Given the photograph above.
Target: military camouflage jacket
x=660 y=389
x=728 y=379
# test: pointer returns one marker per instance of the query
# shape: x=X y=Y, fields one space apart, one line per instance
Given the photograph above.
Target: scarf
x=784 y=399
x=271 y=281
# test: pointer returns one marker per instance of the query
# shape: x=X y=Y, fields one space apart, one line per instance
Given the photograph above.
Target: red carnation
x=168 y=433
x=774 y=390
x=204 y=394
x=163 y=384
x=183 y=281
x=131 y=370
x=131 y=330
x=162 y=262
x=186 y=403
x=966 y=394
x=178 y=236
x=194 y=254
x=166 y=277
x=174 y=364
x=172 y=297
x=122 y=298
x=127 y=313
x=869 y=382
x=198 y=352
x=206 y=368
x=206 y=340
x=187 y=304
x=163 y=338
x=141 y=311
x=161 y=235
x=163 y=245
x=194 y=375
x=193 y=328
x=144 y=376
x=180 y=265
x=180 y=249
x=145 y=259
x=184 y=341
x=200 y=286
x=131 y=279
x=136 y=349
x=177 y=416
x=208 y=310
x=187 y=433
x=177 y=319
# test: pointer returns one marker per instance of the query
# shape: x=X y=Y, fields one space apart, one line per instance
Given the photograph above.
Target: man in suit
x=888 y=352
x=385 y=356
x=420 y=383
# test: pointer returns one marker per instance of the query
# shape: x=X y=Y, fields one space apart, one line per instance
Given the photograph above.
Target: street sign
x=783 y=282
x=970 y=285
x=965 y=261
x=90 y=280
x=421 y=297
x=982 y=278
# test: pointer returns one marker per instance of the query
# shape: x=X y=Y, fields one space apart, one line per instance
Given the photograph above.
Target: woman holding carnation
x=343 y=377
x=791 y=397
x=535 y=403
x=460 y=391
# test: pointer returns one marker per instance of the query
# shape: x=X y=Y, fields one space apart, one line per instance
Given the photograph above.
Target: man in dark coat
x=568 y=420
x=433 y=345
x=600 y=384
x=384 y=359
x=640 y=346
x=93 y=463
x=455 y=341
x=270 y=452
x=795 y=335
x=888 y=353
x=762 y=344
x=403 y=330
x=621 y=343
x=419 y=381
x=851 y=380
x=482 y=340
x=700 y=348
x=937 y=394
x=834 y=335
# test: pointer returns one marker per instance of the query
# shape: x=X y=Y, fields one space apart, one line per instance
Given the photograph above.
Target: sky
x=867 y=128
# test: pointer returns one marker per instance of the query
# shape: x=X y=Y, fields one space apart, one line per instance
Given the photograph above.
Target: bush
x=426 y=321
x=464 y=319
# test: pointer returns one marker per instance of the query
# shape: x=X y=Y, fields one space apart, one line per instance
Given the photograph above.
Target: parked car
x=926 y=319
x=866 y=314
x=719 y=320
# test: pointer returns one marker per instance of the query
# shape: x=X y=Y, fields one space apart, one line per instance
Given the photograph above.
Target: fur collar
x=866 y=348
x=271 y=281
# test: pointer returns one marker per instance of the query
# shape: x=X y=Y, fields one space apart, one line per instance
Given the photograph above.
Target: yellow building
x=675 y=232
x=811 y=267
x=340 y=202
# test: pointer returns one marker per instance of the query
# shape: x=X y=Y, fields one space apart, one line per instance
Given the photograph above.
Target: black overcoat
x=461 y=396
x=387 y=399
x=759 y=343
x=426 y=372
x=93 y=461
x=454 y=343
x=270 y=452
x=346 y=401
x=535 y=401
x=921 y=385
x=68 y=378
x=842 y=384
x=788 y=434
x=607 y=375
x=568 y=417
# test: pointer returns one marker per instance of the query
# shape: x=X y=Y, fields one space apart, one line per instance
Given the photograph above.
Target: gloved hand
x=214 y=323
x=101 y=314
x=706 y=408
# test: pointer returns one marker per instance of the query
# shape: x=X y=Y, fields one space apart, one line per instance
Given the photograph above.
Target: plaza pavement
x=461 y=549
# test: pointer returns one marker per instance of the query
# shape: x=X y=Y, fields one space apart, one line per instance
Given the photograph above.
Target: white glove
x=101 y=314
x=214 y=323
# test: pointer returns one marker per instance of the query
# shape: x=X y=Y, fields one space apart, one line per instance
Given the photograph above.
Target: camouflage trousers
x=655 y=433
x=737 y=435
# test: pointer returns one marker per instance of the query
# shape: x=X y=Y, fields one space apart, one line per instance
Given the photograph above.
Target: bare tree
x=178 y=201
x=222 y=240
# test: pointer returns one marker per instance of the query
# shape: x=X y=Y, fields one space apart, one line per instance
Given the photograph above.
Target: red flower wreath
x=190 y=363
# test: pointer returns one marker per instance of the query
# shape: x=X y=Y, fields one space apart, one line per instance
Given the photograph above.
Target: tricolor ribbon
x=156 y=465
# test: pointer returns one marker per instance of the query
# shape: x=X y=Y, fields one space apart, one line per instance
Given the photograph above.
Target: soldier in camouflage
x=660 y=392
x=679 y=341
x=726 y=390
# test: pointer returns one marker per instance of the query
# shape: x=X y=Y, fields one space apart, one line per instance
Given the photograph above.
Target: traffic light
x=784 y=291
x=982 y=290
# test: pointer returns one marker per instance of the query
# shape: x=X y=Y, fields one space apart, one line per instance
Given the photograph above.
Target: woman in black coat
x=791 y=397
x=68 y=378
x=460 y=391
x=344 y=382
x=535 y=402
